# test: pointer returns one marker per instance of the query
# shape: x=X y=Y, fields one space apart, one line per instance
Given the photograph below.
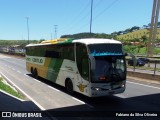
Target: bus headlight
x=123 y=85
x=96 y=88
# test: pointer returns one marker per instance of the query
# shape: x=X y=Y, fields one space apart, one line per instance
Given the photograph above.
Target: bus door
x=82 y=62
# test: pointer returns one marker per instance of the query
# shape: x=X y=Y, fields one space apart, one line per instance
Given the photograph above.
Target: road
x=50 y=97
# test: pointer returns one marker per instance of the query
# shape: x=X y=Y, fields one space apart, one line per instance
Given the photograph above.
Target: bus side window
x=67 y=52
x=85 y=68
x=82 y=61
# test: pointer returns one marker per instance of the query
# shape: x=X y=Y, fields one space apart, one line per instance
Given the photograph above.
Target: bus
x=92 y=67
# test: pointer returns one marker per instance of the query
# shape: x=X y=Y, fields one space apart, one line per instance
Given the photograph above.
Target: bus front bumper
x=98 y=90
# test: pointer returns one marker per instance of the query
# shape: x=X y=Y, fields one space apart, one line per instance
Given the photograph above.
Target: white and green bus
x=92 y=67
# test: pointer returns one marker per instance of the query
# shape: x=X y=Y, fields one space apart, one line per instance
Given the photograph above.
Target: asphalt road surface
x=138 y=97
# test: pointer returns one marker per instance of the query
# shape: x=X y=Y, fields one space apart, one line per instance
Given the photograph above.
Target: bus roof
x=86 y=41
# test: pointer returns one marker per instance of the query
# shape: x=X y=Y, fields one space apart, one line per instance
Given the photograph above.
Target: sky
x=70 y=17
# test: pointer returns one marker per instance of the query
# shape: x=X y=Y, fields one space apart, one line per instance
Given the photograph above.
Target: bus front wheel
x=69 y=86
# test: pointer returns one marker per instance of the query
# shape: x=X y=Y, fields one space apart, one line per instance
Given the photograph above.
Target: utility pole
x=28 y=28
x=153 y=27
x=91 y=16
x=55 y=31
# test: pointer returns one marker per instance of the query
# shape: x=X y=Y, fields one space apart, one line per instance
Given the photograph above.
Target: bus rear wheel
x=69 y=86
x=35 y=73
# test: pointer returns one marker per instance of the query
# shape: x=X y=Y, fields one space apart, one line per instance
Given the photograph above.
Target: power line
x=108 y=7
x=97 y=4
x=78 y=19
x=93 y=18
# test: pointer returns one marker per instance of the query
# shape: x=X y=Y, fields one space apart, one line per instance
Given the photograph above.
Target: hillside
x=89 y=35
x=137 y=34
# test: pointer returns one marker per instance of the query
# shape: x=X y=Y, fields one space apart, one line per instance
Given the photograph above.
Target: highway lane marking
x=36 y=80
x=23 y=92
x=82 y=102
x=18 y=71
x=78 y=100
x=13 y=69
x=26 y=75
x=143 y=85
x=54 y=88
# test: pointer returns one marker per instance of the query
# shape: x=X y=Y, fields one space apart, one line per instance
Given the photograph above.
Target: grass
x=137 y=34
x=9 y=90
x=135 y=50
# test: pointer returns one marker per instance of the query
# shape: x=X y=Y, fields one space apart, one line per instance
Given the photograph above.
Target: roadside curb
x=4 y=92
x=141 y=80
x=14 y=86
x=144 y=77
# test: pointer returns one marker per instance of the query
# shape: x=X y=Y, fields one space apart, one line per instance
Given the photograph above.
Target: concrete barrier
x=144 y=75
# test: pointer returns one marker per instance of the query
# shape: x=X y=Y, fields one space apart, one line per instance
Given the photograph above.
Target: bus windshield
x=105 y=49
x=108 y=68
x=108 y=64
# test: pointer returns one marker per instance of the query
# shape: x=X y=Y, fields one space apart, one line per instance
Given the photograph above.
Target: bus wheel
x=69 y=86
x=35 y=73
x=32 y=71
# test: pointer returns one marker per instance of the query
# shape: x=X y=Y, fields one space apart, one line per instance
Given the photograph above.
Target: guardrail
x=152 y=67
x=150 y=71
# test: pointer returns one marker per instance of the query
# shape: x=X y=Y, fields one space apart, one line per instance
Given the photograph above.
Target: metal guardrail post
x=134 y=67
x=155 y=67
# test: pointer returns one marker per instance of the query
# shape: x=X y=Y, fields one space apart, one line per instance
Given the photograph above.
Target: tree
x=127 y=30
x=134 y=28
x=144 y=40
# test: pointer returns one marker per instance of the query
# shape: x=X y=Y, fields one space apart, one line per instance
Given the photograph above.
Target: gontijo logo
x=35 y=60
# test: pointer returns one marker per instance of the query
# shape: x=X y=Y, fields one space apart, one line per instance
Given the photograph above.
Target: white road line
x=23 y=92
x=90 y=105
x=37 y=80
x=78 y=100
x=13 y=69
x=53 y=88
x=18 y=71
x=143 y=85
x=26 y=75
x=82 y=102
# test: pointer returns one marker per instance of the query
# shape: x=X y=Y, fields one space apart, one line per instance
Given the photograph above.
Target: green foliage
x=17 y=42
x=89 y=35
x=9 y=90
x=139 y=49
x=156 y=50
x=130 y=48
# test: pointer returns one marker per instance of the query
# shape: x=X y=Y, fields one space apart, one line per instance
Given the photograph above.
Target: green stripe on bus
x=54 y=68
x=67 y=41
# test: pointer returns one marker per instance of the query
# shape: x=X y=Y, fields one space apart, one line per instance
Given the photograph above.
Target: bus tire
x=32 y=71
x=35 y=73
x=69 y=86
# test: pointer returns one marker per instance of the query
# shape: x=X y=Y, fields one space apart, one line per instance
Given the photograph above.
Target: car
x=139 y=62
x=146 y=60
